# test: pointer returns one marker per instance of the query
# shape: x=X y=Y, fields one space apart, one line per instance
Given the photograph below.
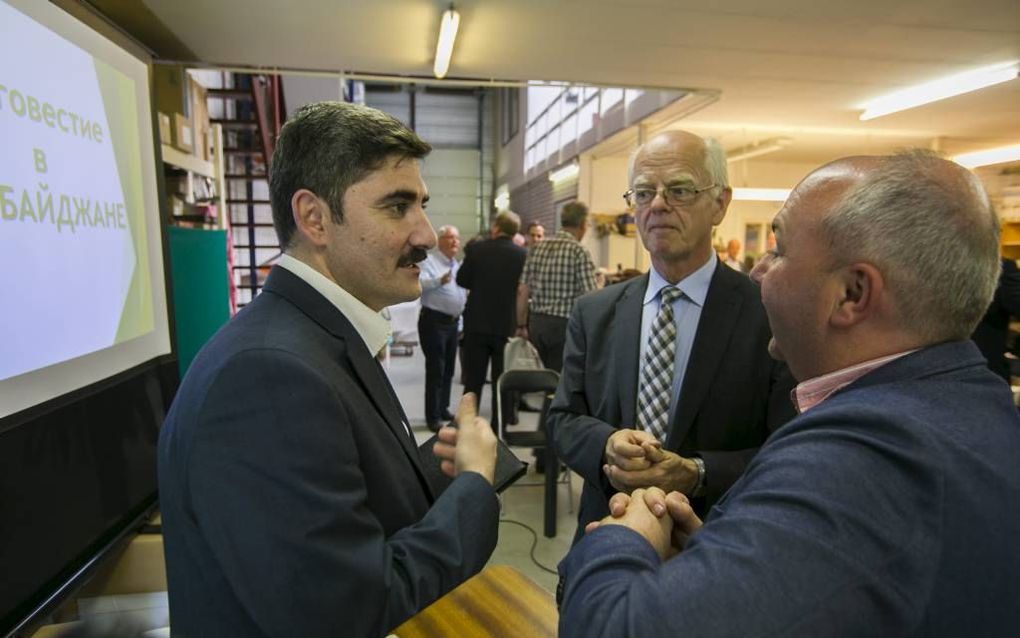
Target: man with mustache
x=293 y=497
x=667 y=380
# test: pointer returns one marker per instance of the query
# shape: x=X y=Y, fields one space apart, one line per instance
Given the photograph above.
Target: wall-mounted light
x=444 y=46
x=940 y=89
x=990 y=156
x=761 y=194
x=761 y=148
x=502 y=200
x=565 y=173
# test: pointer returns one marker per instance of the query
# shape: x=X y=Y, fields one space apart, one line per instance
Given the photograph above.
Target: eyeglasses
x=674 y=195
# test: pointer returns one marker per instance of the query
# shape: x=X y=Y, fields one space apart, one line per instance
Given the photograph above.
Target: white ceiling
x=796 y=68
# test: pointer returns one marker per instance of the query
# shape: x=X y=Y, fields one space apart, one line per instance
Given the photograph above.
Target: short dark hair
x=327 y=147
x=573 y=215
x=507 y=223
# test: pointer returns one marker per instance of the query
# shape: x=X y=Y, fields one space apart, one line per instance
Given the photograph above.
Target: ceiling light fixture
x=990 y=156
x=569 y=171
x=763 y=147
x=761 y=194
x=939 y=89
x=444 y=46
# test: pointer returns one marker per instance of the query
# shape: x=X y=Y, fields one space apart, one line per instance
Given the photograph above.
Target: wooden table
x=498 y=602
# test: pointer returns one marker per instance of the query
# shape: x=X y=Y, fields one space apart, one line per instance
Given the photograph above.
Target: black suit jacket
x=991 y=333
x=491 y=270
x=292 y=496
x=733 y=396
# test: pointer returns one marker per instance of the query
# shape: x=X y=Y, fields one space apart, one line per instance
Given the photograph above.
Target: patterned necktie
x=657 y=373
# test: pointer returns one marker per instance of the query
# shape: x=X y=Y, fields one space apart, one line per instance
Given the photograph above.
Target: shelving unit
x=193 y=166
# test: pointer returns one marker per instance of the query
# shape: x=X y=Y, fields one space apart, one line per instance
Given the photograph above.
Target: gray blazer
x=293 y=498
x=734 y=394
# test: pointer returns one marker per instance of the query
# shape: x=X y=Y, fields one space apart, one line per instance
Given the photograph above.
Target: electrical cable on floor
x=534 y=543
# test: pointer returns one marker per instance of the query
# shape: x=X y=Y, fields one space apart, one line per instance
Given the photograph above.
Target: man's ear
x=723 y=201
x=859 y=289
x=309 y=216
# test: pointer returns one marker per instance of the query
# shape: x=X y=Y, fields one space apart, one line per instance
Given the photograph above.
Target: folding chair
x=544 y=381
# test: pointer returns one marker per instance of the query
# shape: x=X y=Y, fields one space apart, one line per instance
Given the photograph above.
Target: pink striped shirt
x=810 y=393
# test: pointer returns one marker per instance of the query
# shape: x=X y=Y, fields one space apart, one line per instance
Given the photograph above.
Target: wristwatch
x=699 y=487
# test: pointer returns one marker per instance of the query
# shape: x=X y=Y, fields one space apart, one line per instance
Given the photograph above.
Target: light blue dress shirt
x=686 y=315
x=448 y=298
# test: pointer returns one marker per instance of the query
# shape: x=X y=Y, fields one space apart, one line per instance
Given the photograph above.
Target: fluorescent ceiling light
x=444 y=46
x=760 y=148
x=940 y=89
x=761 y=194
x=569 y=171
x=990 y=156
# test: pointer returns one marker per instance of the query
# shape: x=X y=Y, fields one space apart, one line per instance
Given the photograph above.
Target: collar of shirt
x=373 y=328
x=810 y=393
x=694 y=286
x=564 y=235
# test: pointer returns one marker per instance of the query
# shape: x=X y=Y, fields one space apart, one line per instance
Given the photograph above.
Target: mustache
x=413 y=256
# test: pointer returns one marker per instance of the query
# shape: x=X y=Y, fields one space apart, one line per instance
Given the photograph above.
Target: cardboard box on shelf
x=166 y=135
x=184 y=135
x=199 y=117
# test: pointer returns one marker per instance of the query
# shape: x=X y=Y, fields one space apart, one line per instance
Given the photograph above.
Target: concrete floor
x=522 y=502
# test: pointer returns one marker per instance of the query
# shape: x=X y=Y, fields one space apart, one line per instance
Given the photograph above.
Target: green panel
x=198 y=267
x=118 y=91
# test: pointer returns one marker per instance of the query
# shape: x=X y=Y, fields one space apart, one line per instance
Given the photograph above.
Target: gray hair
x=327 y=147
x=715 y=164
x=928 y=226
x=446 y=228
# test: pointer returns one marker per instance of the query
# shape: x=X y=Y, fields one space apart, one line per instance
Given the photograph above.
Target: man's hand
x=522 y=332
x=447 y=276
x=665 y=470
x=626 y=449
x=675 y=504
x=633 y=512
x=471 y=447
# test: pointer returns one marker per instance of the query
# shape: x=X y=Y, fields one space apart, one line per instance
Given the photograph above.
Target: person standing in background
x=992 y=331
x=442 y=302
x=490 y=272
x=536 y=233
x=732 y=253
x=558 y=271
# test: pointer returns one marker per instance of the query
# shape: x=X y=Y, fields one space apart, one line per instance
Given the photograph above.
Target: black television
x=87 y=365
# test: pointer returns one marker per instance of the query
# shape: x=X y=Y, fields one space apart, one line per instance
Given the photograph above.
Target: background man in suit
x=888 y=507
x=442 y=302
x=293 y=497
x=490 y=272
x=681 y=394
x=992 y=332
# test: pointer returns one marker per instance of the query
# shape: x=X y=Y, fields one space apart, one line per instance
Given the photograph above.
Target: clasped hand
x=666 y=521
x=635 y=458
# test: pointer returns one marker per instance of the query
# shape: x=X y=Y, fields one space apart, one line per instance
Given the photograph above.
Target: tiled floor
x=522 y=502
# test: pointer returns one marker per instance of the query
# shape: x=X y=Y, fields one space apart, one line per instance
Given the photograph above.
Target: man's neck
x=676 y=270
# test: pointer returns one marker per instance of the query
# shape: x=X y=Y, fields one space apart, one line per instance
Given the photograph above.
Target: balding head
x=926 y=224
x=664 y=146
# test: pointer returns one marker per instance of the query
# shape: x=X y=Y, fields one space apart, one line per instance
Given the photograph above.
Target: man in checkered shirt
x=558 y=271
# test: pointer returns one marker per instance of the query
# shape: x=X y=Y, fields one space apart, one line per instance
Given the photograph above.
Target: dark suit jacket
x=733 y=395
x=491 y=270
x=293 y=499
x=990 y=334
x=889 y=509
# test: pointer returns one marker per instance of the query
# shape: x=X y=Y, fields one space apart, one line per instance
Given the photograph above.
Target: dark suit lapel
x=715 y=327
x=626 y=349
x=366 y=368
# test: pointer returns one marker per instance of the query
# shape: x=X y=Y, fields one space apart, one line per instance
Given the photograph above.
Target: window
x=511 y=115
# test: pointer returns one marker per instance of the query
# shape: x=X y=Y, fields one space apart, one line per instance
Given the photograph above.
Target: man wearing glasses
x=667 y=380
